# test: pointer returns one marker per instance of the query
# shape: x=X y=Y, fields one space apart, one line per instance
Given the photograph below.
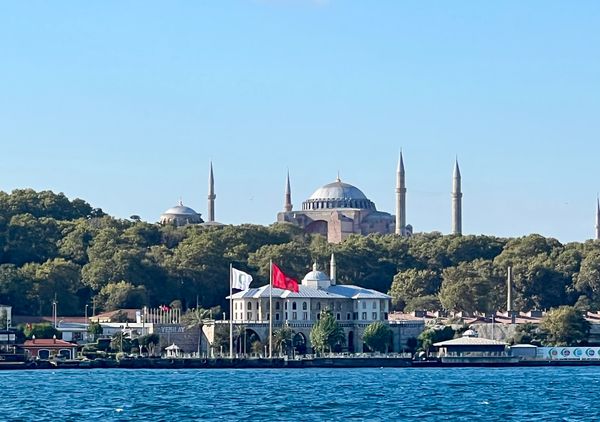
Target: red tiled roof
x=47 y=342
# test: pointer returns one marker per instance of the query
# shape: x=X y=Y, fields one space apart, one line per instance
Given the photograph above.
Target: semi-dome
x=180 y=215
x=338 y=195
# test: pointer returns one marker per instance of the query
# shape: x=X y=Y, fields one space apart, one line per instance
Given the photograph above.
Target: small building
x=353 y=307
x=173 y=351
x=471 y=345
x=44 y=348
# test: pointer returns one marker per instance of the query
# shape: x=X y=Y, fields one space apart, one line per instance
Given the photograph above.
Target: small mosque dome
x=316 y=278
x=180 y=215
x=338 y=195
x=470 y=333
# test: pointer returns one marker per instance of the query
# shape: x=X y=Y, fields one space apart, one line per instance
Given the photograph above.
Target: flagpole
x=230 y=315
x=270 y=308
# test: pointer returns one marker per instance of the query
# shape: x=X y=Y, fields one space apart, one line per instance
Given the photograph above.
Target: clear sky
x=123 y=103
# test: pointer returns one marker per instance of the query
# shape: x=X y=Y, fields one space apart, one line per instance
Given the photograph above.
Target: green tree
x=564 y=326
x=95 y=329
x=378 y=336
x=282 y=339
x=3 y=319
x=423 y=303
x=433 y=335
x=411 y=284
x=326 y=333
x=120 y=343
x=472 y=286
x=41 y=331
x=121 y=295
x=150 y=342
x=194 y=319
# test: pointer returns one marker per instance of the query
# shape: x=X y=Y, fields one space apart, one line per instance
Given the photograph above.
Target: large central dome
x=338 y=190
x=338 y=195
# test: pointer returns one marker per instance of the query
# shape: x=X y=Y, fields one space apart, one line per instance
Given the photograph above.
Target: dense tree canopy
x=54 y=248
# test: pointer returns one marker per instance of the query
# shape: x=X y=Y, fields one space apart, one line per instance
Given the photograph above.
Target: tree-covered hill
x=50 y=245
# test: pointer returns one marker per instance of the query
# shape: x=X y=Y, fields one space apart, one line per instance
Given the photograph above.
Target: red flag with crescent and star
x=282 y=281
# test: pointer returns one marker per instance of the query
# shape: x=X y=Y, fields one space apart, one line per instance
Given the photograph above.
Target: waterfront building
x=45 y=348
x=354 y=308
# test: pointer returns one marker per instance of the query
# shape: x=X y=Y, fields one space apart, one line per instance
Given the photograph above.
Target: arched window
x=304 y=306
x=277 y=305
x=294 y=306
x=249 y=306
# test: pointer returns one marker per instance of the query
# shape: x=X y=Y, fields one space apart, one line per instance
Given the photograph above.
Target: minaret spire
x=400 y=197
x=287 y=206
x=456 y=201
x=597 y=218
x=332 y=269
x=211 y=195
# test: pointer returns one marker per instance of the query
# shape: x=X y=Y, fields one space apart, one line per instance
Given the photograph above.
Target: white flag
x=240 y=280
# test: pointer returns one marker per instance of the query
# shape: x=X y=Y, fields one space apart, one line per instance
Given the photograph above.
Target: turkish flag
x=282 y=281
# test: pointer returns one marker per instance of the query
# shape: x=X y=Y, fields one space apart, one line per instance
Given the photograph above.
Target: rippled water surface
x=306 y=395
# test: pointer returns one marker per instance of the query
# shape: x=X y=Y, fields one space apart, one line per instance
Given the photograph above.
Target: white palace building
x=354 y=308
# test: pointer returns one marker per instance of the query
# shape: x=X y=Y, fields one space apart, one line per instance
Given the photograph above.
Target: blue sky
x=123 y=103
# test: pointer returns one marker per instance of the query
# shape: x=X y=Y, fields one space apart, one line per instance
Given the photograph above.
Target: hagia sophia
x=335 y=210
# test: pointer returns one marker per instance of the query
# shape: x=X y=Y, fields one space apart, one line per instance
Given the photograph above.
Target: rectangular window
x=304 y=316
x=268 y=316
x=338 y=316
x=249 y=316
x=374 y=305
x=286 y=315
x=364 y=305
x=348 y=316
x=374 y=315
x=294 y=315
x=364 y=315
x=385 y=315
x=277 y=316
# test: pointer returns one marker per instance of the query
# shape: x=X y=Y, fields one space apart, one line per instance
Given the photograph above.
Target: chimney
x=33 y=338
x=54 y=338
x=509 y=283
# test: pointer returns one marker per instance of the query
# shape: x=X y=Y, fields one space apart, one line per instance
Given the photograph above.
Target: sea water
x=466 y=394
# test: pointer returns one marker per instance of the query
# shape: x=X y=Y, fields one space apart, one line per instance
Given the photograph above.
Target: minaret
x=211 y=195
x=400 y=198
x=598 y=219
x=332 y=269
x=287 y=206
x=456 y=201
